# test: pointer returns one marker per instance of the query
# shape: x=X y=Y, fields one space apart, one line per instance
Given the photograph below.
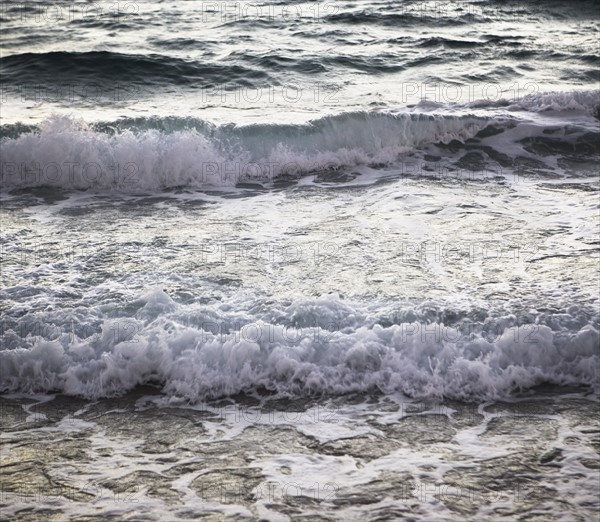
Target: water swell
x=172 y=152
x=109 y=68
x=182 y=151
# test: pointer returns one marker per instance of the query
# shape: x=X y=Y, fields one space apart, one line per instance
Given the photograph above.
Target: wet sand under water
x=143 y=457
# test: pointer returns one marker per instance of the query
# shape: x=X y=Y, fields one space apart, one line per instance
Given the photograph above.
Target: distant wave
x=418 y=18
x=105 y=67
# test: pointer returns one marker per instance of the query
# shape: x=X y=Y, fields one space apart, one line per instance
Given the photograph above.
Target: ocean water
x=299 y=260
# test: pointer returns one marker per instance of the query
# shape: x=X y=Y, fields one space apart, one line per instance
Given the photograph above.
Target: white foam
x=70 y=154
x=158 y=153
x=412 y=358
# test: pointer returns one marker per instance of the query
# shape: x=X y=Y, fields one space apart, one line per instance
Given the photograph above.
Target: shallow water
x=361 y=457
